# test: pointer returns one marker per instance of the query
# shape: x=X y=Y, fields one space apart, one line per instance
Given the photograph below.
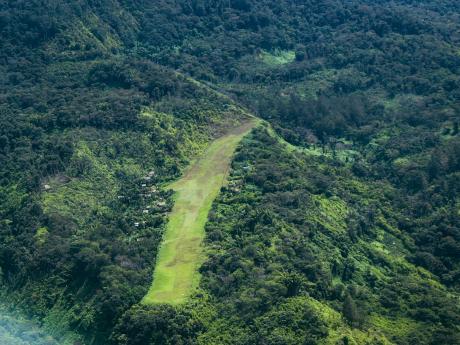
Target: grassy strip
x=181 y=252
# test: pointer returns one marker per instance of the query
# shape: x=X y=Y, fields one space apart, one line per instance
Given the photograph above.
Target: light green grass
x=40 y=235
x=278 y=57
x=181 y=253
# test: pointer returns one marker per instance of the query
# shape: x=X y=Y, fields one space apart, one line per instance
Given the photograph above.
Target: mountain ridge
x=340 y=223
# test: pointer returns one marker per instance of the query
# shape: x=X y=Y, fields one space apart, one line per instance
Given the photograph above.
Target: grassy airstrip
x=181 y=253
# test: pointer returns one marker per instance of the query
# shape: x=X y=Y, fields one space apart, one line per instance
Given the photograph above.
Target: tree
x=455 y=129
x=300 y=53
x=350 y=310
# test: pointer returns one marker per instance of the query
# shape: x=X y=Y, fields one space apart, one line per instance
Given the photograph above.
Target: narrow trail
x=181 y=253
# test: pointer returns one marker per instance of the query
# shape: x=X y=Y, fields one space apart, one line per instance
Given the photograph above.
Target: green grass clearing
x=278 y=57
x=181 y=253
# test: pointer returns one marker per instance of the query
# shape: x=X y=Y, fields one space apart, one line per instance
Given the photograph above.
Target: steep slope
x=77 y=249
x=181 y=253
x=349 y=233
x=302 y=251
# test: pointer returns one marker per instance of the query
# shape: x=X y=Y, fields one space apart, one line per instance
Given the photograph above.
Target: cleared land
x=181 y=253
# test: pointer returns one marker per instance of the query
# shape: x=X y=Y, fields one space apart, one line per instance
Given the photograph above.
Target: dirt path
x=181 y=253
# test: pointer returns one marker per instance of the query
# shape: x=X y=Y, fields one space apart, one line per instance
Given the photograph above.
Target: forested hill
x=340 y=221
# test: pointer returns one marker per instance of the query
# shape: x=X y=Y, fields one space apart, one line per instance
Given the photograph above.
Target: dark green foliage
x=279 y=246
x=162 y=325
x=360 y=220
x=350 y=310
x=75 y=151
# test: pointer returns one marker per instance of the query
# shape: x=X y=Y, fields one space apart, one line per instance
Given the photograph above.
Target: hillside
x=335 y=221
x=176 y=273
